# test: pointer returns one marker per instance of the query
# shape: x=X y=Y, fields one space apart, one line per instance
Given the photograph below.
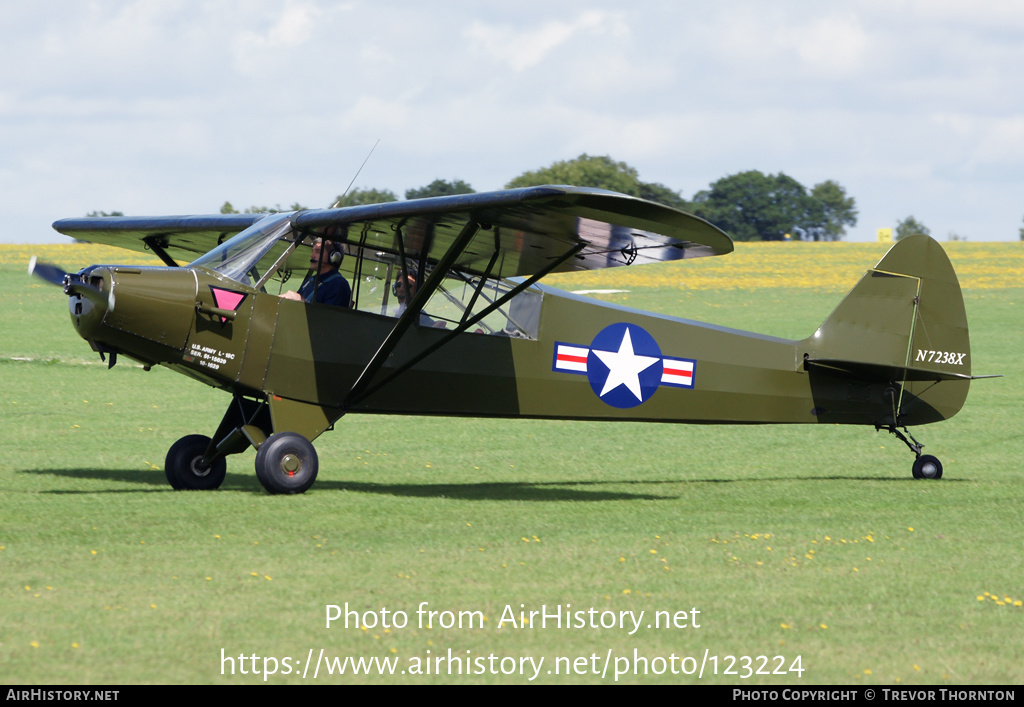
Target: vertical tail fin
x=904 y=325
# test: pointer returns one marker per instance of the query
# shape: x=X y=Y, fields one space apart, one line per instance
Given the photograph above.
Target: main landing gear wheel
x=927 y=467
x=286 y=463
x=184 y=466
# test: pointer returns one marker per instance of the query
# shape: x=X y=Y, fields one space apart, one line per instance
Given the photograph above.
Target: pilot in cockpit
x=333 y=288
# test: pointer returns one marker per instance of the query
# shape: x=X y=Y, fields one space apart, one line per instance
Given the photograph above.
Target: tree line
x=749 y=206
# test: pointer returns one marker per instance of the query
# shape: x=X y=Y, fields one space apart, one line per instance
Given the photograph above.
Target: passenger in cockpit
x=404 y=289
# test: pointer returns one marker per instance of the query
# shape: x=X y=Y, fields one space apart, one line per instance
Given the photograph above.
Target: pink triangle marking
x=226 y=299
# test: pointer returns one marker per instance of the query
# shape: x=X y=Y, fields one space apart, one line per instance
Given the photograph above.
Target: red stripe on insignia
x=676 y=372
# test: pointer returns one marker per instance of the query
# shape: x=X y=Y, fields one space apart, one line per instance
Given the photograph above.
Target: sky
x=154 y=107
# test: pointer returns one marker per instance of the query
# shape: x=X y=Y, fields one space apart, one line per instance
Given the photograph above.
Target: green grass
x=808 y=541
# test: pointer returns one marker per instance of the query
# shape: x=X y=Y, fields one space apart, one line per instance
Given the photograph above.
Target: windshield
x=237 y=258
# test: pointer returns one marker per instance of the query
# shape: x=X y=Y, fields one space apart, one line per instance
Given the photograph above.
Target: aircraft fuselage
x=589 y=361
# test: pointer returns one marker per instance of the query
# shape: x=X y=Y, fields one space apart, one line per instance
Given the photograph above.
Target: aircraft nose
x=90 y=297
x=79 y=306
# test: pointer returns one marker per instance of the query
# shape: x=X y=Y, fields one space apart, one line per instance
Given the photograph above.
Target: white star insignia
x=624 y=367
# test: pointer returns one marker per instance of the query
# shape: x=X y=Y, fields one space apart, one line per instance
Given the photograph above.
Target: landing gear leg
x=925 y=465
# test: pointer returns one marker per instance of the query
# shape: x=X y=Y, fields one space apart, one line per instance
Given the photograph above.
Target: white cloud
x=994 y=148
x=293 y=27
x=175 y=105
x=832 y=47
x=526 y=48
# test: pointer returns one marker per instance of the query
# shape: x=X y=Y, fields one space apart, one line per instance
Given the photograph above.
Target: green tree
x=910 y=226
x=601 y=173
x=276 y=209
x=1022 y=234
x=584 y=171
x=833 y=210
x=357 y=197
x=440 y=187
x=752 y=206
x=227 y=208
x=101 y=214
x=659 y=193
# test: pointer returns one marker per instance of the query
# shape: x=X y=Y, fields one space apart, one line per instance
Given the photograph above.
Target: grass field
x=804 y=541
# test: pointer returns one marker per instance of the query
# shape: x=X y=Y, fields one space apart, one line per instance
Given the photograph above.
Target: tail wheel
x=185 y=469
x=286 y=463
x=927 y=467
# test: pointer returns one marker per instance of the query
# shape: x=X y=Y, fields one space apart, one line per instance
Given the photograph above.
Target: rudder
x=904 y=326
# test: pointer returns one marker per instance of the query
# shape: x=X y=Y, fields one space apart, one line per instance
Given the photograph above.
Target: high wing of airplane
x=442 y=312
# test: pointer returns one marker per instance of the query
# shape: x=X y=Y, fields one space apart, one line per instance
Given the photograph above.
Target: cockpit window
x=238 y=258
x=268 y=250
x=380 y=287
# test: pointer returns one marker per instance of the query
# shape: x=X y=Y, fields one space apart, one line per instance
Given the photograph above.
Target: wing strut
x=412 y=312
x=355 y=396
x=158 y=245
x=487 y=273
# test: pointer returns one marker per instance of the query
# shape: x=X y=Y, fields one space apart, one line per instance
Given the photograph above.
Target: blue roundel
x=624 y=365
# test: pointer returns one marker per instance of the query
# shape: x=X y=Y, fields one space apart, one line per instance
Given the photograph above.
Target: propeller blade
x=72 y=284
x=45 y=271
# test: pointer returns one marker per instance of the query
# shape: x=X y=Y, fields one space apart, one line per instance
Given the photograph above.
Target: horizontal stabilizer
x=875 y=373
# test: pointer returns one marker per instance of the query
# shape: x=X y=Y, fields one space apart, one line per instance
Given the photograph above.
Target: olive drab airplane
x=444 y=314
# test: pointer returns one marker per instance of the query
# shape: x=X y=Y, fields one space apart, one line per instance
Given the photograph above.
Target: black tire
x=286 y=463
x=927 y=467
x=183 y=471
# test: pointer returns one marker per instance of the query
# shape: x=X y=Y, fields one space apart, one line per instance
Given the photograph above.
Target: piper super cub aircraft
x=444 y=315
